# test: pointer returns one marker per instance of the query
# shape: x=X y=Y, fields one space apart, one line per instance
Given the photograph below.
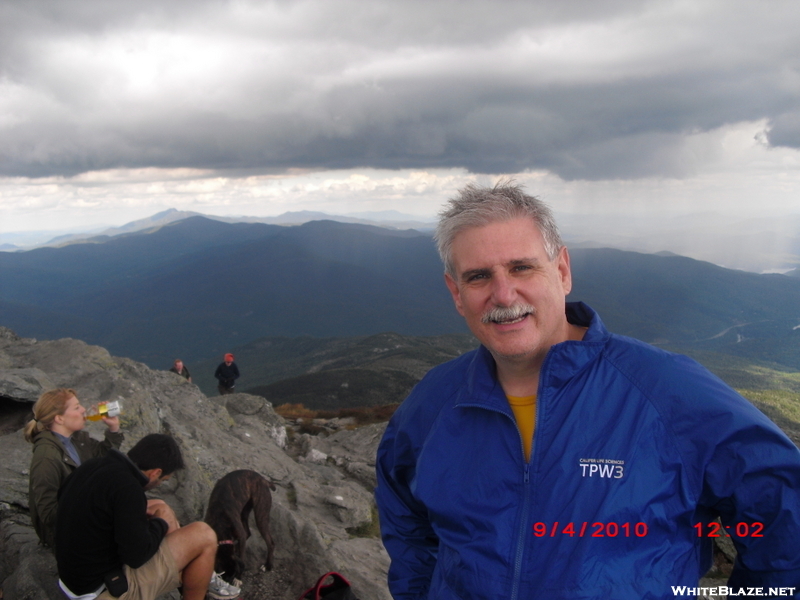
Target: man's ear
x=452 y=285
x=153 y=475
x=565 y=270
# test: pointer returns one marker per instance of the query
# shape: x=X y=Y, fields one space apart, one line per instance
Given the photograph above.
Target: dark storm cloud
x=587 y=90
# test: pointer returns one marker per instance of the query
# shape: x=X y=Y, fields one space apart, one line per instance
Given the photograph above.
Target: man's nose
x=504 y=290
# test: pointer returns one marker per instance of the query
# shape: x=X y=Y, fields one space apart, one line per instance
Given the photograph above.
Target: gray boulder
x=24 y=385
x=352 y=450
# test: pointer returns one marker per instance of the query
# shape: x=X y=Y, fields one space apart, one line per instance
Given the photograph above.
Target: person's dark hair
x=157 y=451
x=476 y=206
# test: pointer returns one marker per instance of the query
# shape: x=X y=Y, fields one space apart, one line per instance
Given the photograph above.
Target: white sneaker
x=222 y=590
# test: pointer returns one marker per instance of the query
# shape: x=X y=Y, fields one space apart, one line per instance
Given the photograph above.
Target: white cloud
x=736 y=174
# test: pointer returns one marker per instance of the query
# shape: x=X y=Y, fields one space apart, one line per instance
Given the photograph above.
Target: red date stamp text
x=586 y=529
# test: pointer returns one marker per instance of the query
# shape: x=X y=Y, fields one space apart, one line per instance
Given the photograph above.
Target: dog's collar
x=227 y=542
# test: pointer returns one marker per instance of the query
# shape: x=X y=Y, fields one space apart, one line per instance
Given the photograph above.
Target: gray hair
x=476 y=206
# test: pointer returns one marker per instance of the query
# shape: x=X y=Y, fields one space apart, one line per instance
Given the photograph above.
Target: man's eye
x=476 y=277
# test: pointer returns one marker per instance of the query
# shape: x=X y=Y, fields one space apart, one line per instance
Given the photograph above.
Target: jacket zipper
x=526 y=495
x=523 y=525
x=521 y=536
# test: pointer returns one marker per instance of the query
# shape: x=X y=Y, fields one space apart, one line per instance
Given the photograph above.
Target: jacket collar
x=562 y=362
x=46 y=438
x=118 y=456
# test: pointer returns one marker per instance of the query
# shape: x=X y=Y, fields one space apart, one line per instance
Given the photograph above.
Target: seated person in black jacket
x=108 y=534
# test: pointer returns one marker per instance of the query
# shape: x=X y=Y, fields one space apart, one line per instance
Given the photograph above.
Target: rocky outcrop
x=323 y=515
x=345 y=449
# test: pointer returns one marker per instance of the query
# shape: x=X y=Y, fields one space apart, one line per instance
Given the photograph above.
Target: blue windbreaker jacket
x=636 y=452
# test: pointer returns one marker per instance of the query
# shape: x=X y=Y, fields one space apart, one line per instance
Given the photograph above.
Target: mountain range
x=197 y=287
x=758 y=243
x=29 y=240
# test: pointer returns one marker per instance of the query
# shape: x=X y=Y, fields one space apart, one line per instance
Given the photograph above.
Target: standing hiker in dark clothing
x=227 y=372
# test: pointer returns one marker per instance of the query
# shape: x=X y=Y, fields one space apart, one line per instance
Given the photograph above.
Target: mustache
x=500 y=314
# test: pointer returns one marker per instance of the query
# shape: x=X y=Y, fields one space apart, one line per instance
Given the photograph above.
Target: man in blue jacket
x=559 y=461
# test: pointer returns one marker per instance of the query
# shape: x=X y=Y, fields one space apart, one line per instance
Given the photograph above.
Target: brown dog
x=232 y=499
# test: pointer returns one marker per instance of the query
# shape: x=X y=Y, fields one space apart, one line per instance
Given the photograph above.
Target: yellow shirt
x=524 y=409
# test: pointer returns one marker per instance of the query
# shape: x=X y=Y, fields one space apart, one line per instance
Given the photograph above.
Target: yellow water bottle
x=104 y=409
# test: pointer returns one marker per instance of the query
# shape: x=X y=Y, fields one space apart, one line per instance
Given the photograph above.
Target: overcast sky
x=112 y=111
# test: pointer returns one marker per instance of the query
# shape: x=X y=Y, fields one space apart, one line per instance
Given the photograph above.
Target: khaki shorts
x=155 y=577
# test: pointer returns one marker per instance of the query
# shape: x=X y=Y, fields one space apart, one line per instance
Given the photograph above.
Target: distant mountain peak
x=389 y=215
x=164 y=213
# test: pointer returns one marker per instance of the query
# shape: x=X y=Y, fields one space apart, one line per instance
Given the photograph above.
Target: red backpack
x=338 y=589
